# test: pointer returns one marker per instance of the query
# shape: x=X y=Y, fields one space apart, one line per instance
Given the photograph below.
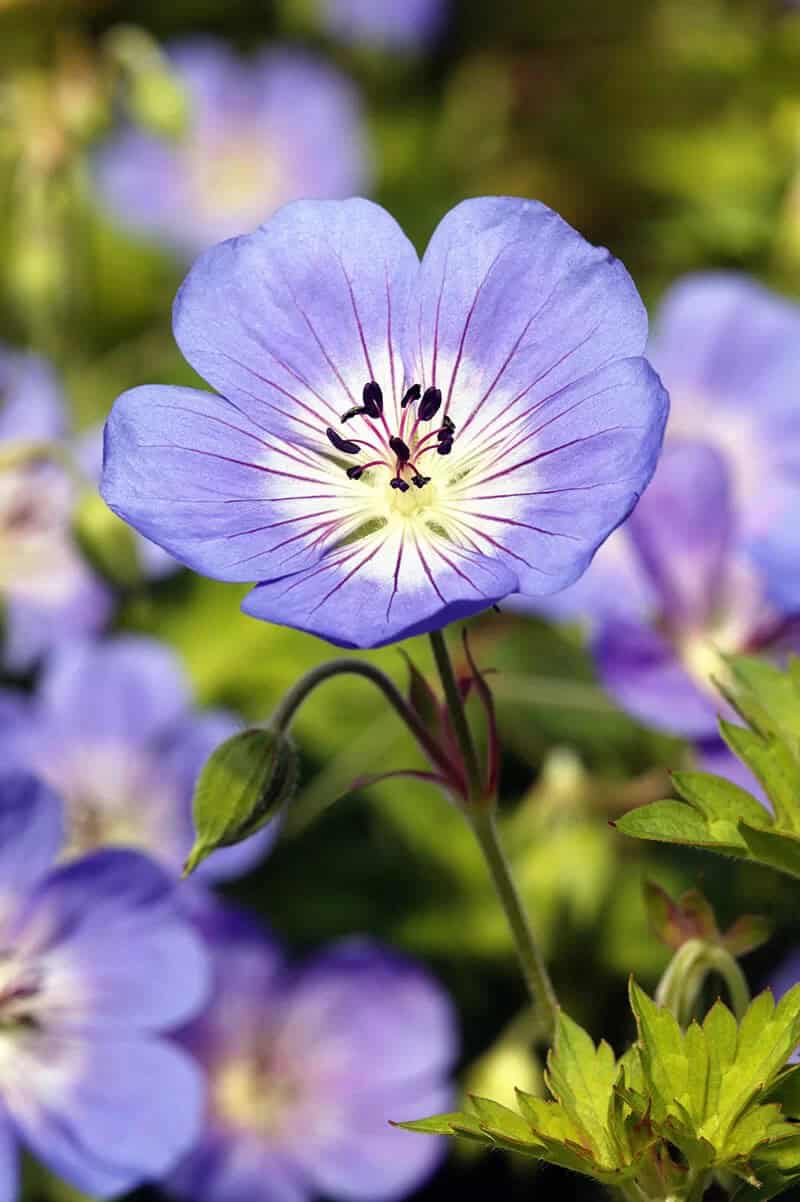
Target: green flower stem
x=458 y=717
x=530 y=958
x=292 y=700
x=679 y=987
x=479 y=812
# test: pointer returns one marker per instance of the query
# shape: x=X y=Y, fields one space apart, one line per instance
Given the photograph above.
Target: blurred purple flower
x=728 y=351
x=400 y=26
x=261 y=134
x=395 y=445
x=111 y=727
x=307 y=1067
x=49 y=593
x=96 y=965
x=705 y=598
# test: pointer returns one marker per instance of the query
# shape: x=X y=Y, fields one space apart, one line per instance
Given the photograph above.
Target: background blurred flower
x=50 y=594
x=707 y=600
x=384 y=22
x=96 y=964
x=261 y=133
x=521 y=421
x=112 y=728
x=307 y=1067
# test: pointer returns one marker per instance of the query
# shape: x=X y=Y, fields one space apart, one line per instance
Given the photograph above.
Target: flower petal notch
x=394 y=445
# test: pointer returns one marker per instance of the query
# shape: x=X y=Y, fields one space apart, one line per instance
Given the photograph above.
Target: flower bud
x=243 y=784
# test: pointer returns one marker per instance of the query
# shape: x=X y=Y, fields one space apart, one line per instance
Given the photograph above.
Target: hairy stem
x=530 y=958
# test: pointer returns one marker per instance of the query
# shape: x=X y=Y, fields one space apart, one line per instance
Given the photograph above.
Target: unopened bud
x=243 y=785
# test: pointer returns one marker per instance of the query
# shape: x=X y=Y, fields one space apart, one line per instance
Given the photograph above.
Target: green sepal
x=243 y=784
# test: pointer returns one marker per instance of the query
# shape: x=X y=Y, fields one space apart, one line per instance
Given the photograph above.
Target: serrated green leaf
x=501 y=1120
x=773 y=764
x=664 y=1058
x=770 y=696
x=721 y=1032
x=582 y=1079
x=676 y=822
x=720 y=800
x=443 y=1124
x=776 y=849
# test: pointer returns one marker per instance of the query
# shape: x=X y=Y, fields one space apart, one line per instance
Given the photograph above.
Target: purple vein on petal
x=396 y=574
x=573 y=442
x=426 y=569
x=341 y=583
x=467 y=322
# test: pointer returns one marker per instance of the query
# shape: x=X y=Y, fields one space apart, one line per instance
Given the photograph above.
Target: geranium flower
x=262 y=133
x=395 y=445
x=384 y=22
x=728 y=350
x=112 y=728
x=97 y=964
x=702 y=599
x=49 y=593
x=307 y=1066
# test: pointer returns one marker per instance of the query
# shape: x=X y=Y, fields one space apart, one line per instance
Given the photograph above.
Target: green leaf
x=676 y=822
x=773 y=764
x=458 y=1122
x=720 y=800
x=501 y=1120
x=243 y=784
x=582 y=1079
x=776 y=849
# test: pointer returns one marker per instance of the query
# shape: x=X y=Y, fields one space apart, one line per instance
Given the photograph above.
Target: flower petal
x=682 y=529
x=614 y=585
x=231 y=1166
x=36 y=625
x=729 y=352
x=31 y=832
x=365 y=1161
x=391 y=1023
x=290 y=322
x=33 y=403
x=198 y=477
x=546 y=495
x=130 y=688
x=107 y=1114
x=512 y=305
x=116 y=949
x=9 y=1160
x=642 y=672
x=386 y=586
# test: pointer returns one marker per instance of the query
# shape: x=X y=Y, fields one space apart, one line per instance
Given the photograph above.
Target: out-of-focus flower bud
x=106 y=541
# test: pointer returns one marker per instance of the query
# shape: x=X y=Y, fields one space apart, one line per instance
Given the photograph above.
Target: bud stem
x=292 y=700
x=683 y=978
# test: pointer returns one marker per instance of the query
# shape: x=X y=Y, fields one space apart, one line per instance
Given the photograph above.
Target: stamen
x=448 y=424
x=430 y=404
x=345 y=445
x=398 y=483
x=355 y=473
x=445 y=446
x=400 y=449
x=356 y=411
x=372 y=399
x=420 y=481
x=412 y=394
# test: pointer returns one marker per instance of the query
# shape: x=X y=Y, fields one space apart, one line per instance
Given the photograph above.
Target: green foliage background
x=667 y=130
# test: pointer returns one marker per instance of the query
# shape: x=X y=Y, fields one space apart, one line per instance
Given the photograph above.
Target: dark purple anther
x=445 y=446
x=430 y=404
x=400 y=449
x=420 y=481
x=412 y=394
x=372 y=399
x=342 y=444
x=355 y=472
x=398 y=483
